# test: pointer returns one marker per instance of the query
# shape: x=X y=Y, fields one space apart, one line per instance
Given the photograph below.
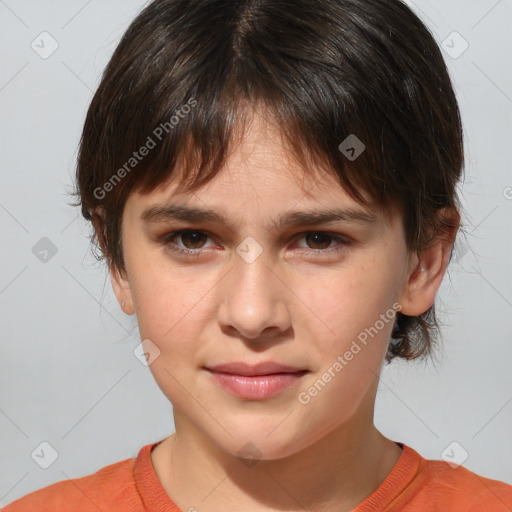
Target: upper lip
x=250 y=370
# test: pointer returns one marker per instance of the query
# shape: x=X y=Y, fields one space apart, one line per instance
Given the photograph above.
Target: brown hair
x=185 y=71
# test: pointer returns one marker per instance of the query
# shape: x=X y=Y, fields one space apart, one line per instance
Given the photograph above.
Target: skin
x=286 y=306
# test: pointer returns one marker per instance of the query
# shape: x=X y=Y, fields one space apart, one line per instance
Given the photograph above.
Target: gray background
x=68 y=374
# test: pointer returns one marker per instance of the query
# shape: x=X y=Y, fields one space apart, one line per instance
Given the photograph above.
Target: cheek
x=169 y=320
x=166 y=304
x=170 y=313
x=348 y=336
x=345 y=305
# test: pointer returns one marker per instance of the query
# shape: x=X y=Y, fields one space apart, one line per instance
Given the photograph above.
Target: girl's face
x=317 y=298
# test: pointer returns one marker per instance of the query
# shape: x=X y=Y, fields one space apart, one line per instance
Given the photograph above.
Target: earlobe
x=420 y=290
x=428 y=269
x=122 y=290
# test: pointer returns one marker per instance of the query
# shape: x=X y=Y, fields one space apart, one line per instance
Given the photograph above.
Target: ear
x=427 y=269
x=98 y=222
x=119 y=279
x=121 y=286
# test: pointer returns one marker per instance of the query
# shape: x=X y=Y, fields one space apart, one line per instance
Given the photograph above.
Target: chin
x=261 y=444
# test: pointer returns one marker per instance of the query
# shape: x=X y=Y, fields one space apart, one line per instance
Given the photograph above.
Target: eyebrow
x=162 y=213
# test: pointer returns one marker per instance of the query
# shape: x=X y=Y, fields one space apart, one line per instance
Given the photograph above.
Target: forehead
x=260 y=178
x=258 y=155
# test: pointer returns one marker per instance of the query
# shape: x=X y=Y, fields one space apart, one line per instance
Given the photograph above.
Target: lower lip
x=257 y=387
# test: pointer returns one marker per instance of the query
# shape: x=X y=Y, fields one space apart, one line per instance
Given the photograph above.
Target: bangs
x=348 y=95
x=199 y=148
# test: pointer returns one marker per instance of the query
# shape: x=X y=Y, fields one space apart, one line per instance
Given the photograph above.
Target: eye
x=190 y=236
x=319 y=238
x=193 y=241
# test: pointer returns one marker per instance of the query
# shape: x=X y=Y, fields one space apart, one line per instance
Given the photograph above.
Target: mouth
x=256 y=382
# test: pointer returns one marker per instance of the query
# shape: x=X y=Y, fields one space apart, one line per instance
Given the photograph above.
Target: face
x=319 y=299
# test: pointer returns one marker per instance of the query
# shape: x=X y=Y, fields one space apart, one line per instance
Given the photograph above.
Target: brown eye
x=191 y=242
x=191 y=239
x=320 y=239
x=318 y=243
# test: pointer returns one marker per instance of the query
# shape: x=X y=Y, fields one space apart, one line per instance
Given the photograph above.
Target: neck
x=337 y=472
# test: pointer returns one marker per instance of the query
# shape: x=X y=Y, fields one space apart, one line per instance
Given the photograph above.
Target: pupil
x=318 y=237
x=195 y=236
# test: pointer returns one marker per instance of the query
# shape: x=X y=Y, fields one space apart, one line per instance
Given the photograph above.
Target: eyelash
x=194 y=253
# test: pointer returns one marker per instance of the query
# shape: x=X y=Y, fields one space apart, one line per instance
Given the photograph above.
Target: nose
x=253 y=304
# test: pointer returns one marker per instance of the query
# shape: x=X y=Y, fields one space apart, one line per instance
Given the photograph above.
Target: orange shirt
x=414 y=485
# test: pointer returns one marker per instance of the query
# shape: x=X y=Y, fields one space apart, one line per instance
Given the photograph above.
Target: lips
x=251 y=370
x=256 y=381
